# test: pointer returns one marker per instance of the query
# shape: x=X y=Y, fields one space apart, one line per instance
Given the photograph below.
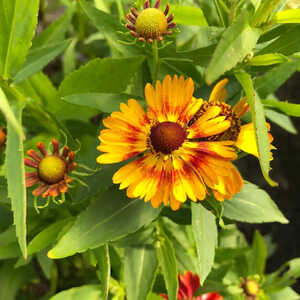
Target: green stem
x=120 y=9
x=155 y=61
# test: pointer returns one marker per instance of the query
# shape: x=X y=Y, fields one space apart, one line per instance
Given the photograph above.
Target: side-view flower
x=179 y=157
x=151 y=23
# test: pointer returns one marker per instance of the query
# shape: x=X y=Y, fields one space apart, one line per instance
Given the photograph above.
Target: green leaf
x=106 y=219
x=88 y=292
x=286 y=293
x=103 y=259
x=205 y=234
x=107 y=75
x=104 y=102
x=273 y=79
x=9 y=114
x=38 y=58
x=287 y=43
x=289 y=109
x=287 y=16
x=167 y=260
x=47 y=236
x=188 y=15
x=258 y=255
x=12 y=279
x=258 y=118
x=268 y=59
x=139 y=271
x=55 y=32
x=111 y=28
x=15 y=173
x=252 y=205
x=19 y=19
x=282 y=120
x=236 y=42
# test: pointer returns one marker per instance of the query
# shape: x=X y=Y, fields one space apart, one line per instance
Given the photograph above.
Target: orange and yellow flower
x=52 y=170
x=242 y=135
x=174 y=156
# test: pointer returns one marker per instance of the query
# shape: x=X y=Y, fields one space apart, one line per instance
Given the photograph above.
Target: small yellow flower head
x=251 y=288
x=52 y=169
x=151 y=24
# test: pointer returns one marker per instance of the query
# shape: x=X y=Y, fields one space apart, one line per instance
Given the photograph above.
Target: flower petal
x=219 y=93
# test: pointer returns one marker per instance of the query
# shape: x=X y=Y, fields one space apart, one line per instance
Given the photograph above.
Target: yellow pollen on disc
x=151 y=23
x=52 y=169
x=167 y=136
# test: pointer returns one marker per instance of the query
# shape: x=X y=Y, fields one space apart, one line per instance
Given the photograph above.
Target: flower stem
x=155 y=61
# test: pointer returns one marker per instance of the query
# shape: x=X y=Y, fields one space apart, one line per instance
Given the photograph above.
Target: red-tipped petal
x=150 y=41
x=167 y=9
x=72 y=166
x=170 y=18
x=146 y=4
x=134 y=12
x=30 y=163
x=42 y=148
x=55 y=144
x=141 y=39
x=53 y=190
x=157 y=4
x=130 y=27
x=31 y=181
x=171 y=25
x=135 y=34
x=34 y=155
x=39 y=190
x=131 y=19
x=63 y=188
x=66 y=151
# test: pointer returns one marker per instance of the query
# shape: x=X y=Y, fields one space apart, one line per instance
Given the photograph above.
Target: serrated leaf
x=15 y=173
x=88 y=292
x=107 y=75
x=205 y=234
x=281 y=120
x=103 y=259
x=269 y=82
x=188 y=15
x=18 y=22
x=252 y=205
x=38 y=58
x=167 y=260
x=287 y=16
x=268 y=59
x=139 y=271
x=109 y=218
x=259 y=121
x=236 y=42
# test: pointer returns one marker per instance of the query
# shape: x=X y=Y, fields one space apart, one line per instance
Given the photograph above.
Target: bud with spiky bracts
x=151 y=23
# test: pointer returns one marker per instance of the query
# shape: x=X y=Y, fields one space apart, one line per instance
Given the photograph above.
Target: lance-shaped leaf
x=18 y=22
x=205 y=234
x=139 y=271
x=258 y=118
x=237 y=41
x=108 y=218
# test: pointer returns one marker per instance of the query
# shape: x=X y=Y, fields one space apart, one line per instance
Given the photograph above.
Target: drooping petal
x=241 y=107
x=219 y=93
x=246 y=140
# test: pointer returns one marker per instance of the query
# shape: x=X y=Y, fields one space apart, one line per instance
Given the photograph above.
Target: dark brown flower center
x=52 y=169
x=167 y=136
